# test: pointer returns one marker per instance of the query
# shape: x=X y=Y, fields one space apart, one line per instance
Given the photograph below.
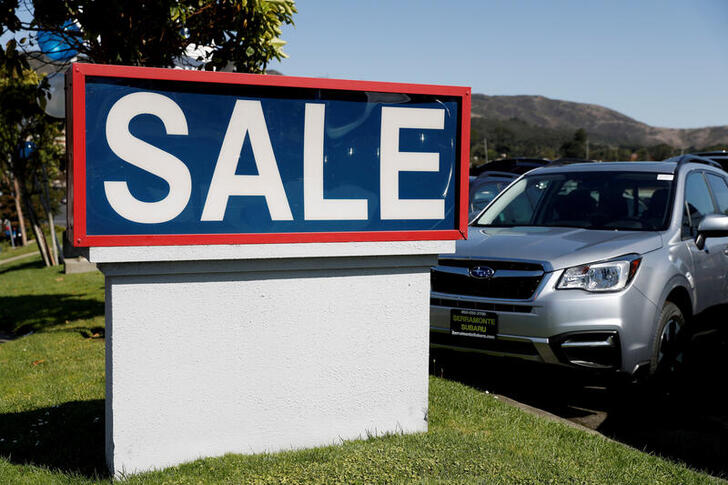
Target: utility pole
x=587 y=148
x=485 y=144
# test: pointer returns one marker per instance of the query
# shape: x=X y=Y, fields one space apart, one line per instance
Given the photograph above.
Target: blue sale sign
x=178 y=157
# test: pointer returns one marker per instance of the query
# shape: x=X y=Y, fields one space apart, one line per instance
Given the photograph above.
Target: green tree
x=237 y=35
x=576 y=147
x=240 y=35
x=641 y=154
x=661 y=151
x=10 y=58
x=503 y=139
x=713 y=148
x=22 y=120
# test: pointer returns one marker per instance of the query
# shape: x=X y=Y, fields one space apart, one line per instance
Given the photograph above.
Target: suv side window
x=720 y=190
x=698 y=204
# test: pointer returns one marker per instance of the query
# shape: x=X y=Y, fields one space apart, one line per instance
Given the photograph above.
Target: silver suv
x=594 y=265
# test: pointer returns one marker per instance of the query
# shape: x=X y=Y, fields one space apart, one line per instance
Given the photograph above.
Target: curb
x=552 y=417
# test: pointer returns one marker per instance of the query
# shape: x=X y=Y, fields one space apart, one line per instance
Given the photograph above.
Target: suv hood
x=555 y=247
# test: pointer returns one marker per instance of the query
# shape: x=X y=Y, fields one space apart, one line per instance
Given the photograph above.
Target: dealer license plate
x=475 y=323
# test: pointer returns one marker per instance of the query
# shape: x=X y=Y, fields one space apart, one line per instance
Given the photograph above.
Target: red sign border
x=76 y=149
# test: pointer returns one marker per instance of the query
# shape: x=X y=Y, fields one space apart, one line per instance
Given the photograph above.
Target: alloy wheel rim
x=668 y=341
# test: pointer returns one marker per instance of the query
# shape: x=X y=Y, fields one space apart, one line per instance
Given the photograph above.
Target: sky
x=664 y=63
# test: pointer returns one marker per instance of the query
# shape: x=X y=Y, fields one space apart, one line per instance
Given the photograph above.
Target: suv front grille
x=511 y=280
x=496 y=265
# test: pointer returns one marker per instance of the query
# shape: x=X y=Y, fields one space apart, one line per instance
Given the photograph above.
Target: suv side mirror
x=713 y=225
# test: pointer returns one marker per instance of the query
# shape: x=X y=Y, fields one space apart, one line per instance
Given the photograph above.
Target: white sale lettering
x=247 y=119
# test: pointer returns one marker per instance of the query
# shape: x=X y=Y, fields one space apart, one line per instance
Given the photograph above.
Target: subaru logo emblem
x=482 y=272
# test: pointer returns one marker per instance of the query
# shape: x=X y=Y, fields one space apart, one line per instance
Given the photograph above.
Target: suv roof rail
x=691 y=158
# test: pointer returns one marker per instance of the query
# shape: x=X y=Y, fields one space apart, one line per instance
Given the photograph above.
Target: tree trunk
x=40 y=240
x=42 y=243
x=51 y=226
x=54 y=242
x=37 y=230
x=19 y=210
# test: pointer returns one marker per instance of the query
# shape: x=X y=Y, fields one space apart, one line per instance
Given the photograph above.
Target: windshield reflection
x=633 y=201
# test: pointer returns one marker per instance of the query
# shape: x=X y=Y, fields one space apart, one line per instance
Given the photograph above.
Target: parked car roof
x=518 y=165
x=719 y=156
x=495 y=174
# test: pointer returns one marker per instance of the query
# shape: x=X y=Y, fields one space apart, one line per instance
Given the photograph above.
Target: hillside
x=603 y=125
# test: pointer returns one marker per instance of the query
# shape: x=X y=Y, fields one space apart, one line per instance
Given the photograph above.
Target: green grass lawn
x=52 y=417
x=7 y=251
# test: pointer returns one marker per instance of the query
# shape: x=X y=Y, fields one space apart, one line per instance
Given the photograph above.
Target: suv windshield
x=634 y=201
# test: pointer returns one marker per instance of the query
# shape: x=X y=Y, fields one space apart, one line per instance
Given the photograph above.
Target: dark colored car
x=518 y=165
x=485 y=187
x=489 y=179
x=718 y=156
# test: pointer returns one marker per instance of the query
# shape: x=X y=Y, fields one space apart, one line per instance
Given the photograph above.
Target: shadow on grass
x=15 y=265
x=68 y=437
x=683 y=417
x=22 y=314
x=93 y=332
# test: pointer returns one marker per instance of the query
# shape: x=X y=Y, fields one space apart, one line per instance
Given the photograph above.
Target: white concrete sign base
x=243 y=355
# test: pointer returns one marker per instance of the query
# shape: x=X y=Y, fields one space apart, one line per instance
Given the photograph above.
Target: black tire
x=667 y=346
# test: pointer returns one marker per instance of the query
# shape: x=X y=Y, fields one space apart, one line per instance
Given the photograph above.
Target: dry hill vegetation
x=539 y=126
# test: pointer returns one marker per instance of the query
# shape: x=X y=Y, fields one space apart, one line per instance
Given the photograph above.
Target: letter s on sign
x=147 y=157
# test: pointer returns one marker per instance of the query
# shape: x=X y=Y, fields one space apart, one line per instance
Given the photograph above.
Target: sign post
x=266 y=244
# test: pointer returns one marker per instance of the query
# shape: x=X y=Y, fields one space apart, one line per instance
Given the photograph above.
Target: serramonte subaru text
x=592 y=265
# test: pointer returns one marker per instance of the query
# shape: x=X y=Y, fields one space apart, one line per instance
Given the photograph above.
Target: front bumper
x=567 y=327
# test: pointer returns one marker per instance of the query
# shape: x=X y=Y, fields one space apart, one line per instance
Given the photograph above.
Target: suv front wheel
x=667 y=347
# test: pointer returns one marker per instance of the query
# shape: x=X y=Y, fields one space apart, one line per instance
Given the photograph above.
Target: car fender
x=676 y=282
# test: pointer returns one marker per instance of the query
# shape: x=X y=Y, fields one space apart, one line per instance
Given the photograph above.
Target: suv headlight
x=611 y=275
